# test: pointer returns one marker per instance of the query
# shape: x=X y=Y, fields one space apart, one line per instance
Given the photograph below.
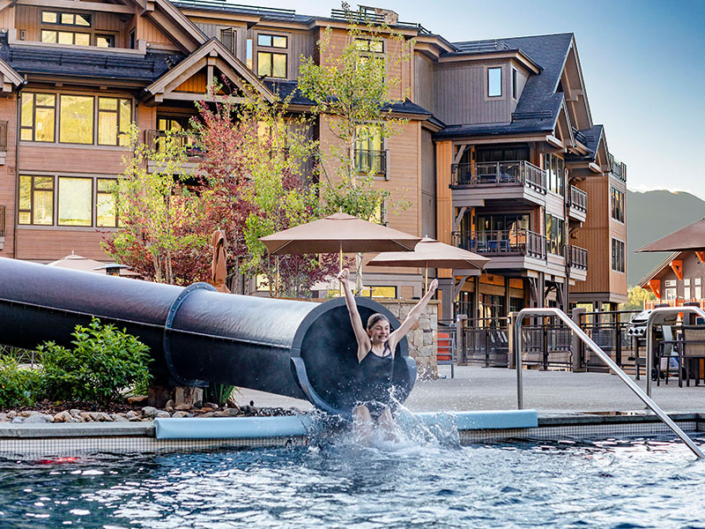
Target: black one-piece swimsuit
x=376 y=374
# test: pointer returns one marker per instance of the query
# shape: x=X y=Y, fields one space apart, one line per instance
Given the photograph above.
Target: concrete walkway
x=476 y=388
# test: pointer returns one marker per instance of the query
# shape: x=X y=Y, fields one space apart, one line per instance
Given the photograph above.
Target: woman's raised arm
x=363 y=341
x=413 y=317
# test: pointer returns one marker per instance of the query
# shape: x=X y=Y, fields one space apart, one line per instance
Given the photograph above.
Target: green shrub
x=102 y=364
x=218 y=393
x=19 y=385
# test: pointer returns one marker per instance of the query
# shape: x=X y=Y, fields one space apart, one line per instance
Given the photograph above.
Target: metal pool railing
x=605 y=358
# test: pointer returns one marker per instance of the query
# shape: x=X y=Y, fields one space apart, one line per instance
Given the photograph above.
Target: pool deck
x=549 y=392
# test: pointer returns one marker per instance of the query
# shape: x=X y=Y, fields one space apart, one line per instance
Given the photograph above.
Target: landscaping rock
x=169 y=405
x=163 y=414
x=18 y=420
x=228 y=412
x=210 y=405
x=3 y=417
x=181 y=414
x=11 y=414
x=85 y=416
x=149 y=412
x=183 y=407
x=65 y=416
x=137 y=400
x=133 y=416
x=117 y=417
x=37 y=418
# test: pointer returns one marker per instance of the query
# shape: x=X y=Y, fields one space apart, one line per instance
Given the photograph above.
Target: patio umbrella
x=84 y=264
x=690 y=238
x=434 y=254
x=218 y=267
x=339 y=233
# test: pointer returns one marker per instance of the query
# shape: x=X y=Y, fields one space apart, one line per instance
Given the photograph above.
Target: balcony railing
x=577 y=257
x=3 y=136
x=503 y=242
x=371 y=162
x=578 y=199
x=499 y=173
x=618 y=169
x=156 y=139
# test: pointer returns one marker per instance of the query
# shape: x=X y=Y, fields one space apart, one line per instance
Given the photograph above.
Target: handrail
x=605 y=358
x=663 y=311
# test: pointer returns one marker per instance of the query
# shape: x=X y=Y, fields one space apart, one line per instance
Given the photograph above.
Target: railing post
x=577 y=344
x=544 y=329
x=460 y=335
x=511 y=357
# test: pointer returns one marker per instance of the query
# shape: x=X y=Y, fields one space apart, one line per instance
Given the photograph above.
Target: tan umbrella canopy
x=218 y=267
x=339 y=233
x=84 y=264
x=434 y=254
x=690 y=238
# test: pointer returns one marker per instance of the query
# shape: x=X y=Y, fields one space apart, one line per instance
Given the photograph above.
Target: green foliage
x=19 y=384
x=103 y=362
x=218 y=393
x=636 y=298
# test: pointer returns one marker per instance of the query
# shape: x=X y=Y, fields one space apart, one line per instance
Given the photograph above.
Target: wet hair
x=375 y=318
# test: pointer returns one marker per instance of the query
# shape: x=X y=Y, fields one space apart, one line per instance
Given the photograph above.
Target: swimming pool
x=623 y=483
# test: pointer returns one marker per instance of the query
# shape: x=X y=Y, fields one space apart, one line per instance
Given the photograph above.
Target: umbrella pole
x=426 y=289
x=341 y=266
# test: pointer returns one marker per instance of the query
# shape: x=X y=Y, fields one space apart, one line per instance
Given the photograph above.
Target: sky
x=643 y=64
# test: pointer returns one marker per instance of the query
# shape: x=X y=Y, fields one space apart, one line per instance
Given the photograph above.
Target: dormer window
x=73 y=29
x=66 y=19
x=494 y=82
x=272 y=63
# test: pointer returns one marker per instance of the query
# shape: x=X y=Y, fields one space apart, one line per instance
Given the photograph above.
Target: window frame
x=488 y=71
x=515 y=84
x=617 y=204
x=270 y=50
x=618 y=256
x=58 y=18
x=233 y=39
x=95 y=143
x=55 y=202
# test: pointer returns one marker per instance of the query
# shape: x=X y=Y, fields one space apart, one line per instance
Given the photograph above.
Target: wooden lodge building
x=678 y=279
x=499 y=154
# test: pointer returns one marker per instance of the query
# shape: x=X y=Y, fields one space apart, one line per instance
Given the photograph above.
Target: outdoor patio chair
x=691 y=353
x=667 y=353
x=445 y=351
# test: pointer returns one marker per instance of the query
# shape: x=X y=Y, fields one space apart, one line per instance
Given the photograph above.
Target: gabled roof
x=658 y=269
x=540 y=104
x=9 y=78
x=212 y=54
x=592 y=138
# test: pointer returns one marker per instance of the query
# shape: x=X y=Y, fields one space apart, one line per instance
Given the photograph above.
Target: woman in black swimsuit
x=376 y=347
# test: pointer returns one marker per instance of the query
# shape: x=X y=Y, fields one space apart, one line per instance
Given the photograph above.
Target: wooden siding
x=53 y=244
x=8 y=111
x=522 y=77
x=150 y=33
x=7 y=18
x=428 y=185
x=214 y=30
x=195 y=84
x=424 y=85
x=27 y=18
x=299 y=43
x=460 y=91
x=54 y=159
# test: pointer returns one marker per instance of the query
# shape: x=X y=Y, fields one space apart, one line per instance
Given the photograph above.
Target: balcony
x=156 y=139
x=578 y=261
x=475 y=183
x=372 y=163
x=618 y=169
x=507 y=249
x=577 y=204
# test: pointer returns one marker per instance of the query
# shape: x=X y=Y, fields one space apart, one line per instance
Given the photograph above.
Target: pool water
x=615 y=483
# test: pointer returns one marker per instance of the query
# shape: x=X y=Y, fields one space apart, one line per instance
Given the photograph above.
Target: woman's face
x=379 y=332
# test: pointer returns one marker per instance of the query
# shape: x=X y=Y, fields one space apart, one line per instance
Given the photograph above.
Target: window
x=555 y=173
x=75 y=202
x=105 y=41
x=228 y=37
x=270 y=63
x=76 y=119
x=494 y=82
x=38 y=117
x=499 y=154
x=36 y=200
x=617 y=255
x=369 y=155
x=515 y=92
x=66 y=37
x=249 y=54
x=66 y=19
x=114 y=118
x=370 y=45
x=671 y=294
x=180 y=126
x=105 y=215
x=617 y=204
x=555 y=235
x=379 y=292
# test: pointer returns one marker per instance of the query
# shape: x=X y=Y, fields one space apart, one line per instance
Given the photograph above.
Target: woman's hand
x=343 y=275
x=433 y=286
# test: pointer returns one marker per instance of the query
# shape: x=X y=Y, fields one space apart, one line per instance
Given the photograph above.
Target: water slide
x=197 y=336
